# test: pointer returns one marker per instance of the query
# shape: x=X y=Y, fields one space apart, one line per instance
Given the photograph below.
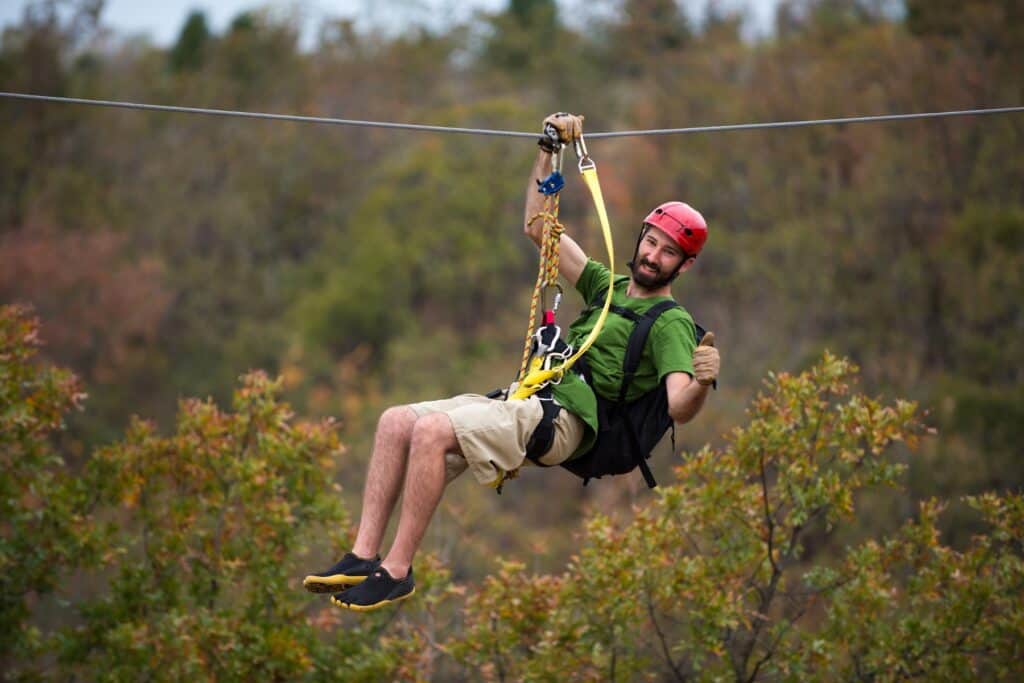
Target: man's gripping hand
x=569 y=127
x=706 y=361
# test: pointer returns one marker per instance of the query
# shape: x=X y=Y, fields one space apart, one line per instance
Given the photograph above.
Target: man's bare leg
x=384 y=477
x=432 y=437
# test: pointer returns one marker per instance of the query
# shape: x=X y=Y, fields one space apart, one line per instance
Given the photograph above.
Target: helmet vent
x=688 y=231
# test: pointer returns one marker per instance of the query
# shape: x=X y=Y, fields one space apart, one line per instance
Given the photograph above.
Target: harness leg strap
x=544 y=435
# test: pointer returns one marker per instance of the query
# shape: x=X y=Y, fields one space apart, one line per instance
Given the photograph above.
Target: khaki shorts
x=493 y=434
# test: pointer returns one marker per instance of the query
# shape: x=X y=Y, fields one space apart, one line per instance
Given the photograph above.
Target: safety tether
x=537 y=377
x=547 y=271
x=533 y=375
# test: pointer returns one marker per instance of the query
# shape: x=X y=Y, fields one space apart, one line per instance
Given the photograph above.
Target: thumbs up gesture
x=706 y=361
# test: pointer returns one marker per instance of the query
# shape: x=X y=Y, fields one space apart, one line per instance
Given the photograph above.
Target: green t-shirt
x=669 y=348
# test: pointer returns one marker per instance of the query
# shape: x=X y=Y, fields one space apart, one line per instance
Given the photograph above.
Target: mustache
x=652 y=266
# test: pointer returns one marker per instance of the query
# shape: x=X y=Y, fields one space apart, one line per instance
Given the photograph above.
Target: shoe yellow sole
x=330 y=584
x=370 y=608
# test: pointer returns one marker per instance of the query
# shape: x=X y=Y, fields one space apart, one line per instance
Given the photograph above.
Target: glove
x=706 y=361
x=567 y=126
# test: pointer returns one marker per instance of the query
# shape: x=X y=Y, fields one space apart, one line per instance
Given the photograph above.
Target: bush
x=715 y=579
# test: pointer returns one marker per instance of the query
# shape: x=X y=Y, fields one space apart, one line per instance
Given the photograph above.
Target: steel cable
x=509 y=133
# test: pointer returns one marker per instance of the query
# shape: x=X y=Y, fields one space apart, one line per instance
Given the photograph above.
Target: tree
x=46 y=531
x=189 y=52
x=522 y=34
x=186 y=550
x=648 y=32
x=216 y=524
x=719 y=577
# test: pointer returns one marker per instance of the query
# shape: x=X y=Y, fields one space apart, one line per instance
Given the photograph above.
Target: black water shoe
x=379 y=589
x=347 y=572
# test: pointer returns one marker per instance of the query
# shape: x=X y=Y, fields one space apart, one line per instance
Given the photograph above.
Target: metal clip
x=558 y=295
x=549 y=362
x=581 y=153
x=541 y=348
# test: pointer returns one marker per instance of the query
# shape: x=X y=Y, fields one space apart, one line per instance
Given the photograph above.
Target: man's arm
x=686 y=394
x=571 y=257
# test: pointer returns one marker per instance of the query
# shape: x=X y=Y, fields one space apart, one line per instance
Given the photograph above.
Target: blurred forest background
x=167 y=255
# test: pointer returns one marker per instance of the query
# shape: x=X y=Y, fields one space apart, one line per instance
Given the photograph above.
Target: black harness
x=627 y=432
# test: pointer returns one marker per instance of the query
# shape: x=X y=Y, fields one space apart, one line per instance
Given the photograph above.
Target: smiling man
x=581 y=423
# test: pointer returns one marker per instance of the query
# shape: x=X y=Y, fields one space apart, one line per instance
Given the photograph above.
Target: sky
x=162 y=20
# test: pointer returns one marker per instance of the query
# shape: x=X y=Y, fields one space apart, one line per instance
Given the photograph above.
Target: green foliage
x=215 y=517
x=193 y=574
x=910 y=607
x=188 y=52
x=647 y=32
x=521 y=34
x=716 y=579
x=412 y=244
x=167 y=254
x=45 y=528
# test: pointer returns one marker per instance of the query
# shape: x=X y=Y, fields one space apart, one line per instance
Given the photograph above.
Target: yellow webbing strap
x=537 y=378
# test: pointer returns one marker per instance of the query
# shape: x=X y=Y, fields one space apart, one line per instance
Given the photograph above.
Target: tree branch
x=768 y=515
x=665 y=652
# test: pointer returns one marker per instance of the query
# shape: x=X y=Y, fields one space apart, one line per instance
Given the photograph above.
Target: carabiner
x=542 y=348
x=562 y=356
x=581 y=153
x=551 y=133
x=558 y=296
x=556 y=158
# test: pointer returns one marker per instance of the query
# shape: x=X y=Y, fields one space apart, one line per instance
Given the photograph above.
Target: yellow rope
x=547 y=271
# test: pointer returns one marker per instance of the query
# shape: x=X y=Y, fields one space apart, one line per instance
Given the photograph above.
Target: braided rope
x=547 y=270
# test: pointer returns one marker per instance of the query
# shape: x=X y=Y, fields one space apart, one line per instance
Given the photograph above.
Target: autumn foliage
x=167 y=255
x=180 y=557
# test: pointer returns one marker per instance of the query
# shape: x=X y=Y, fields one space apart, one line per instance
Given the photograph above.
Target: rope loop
x=547 y=270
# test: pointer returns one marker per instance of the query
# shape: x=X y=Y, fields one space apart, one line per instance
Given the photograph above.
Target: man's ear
x=685 y=265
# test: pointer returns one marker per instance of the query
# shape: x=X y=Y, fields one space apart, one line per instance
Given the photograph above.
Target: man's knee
x=434 y=431
x=397 y=421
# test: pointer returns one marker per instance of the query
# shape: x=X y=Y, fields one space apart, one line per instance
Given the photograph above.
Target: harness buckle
x=561 y=357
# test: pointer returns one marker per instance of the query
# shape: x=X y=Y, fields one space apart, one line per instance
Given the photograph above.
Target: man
x=419 y=448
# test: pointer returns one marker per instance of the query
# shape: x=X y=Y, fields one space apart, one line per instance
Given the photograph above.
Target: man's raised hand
x=706 y=362
x=569 y=127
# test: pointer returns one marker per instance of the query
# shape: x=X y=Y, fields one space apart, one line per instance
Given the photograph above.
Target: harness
x=627 y=431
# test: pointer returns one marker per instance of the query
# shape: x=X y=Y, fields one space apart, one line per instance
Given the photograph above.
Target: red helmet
x=682 y=223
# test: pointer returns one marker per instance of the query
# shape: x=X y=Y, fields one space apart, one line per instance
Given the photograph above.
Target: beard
x=649 y=280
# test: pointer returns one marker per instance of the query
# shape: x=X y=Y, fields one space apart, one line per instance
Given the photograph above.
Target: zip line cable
x=261 y=115
x=509 y=133
x=801 y=124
